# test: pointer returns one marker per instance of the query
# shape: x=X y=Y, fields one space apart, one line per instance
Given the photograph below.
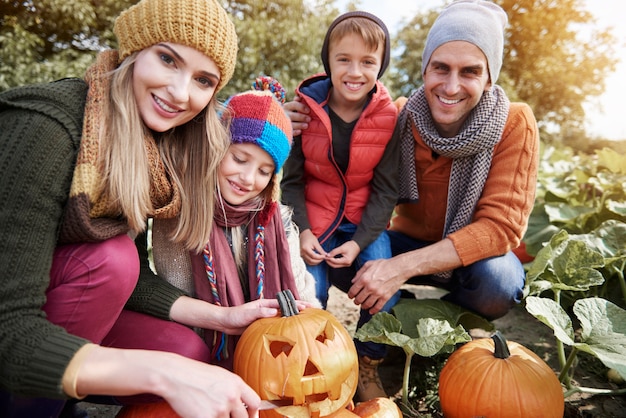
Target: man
x=467 y=172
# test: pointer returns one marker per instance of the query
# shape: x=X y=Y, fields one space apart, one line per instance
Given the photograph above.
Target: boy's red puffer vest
x=330 y=195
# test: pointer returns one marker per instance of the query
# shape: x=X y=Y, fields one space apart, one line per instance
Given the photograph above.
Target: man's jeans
x=489 y=287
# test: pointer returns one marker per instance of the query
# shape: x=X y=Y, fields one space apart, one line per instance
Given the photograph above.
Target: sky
x=606 y=115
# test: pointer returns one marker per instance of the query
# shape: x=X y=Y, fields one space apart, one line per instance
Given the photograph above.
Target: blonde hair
x=190 y=153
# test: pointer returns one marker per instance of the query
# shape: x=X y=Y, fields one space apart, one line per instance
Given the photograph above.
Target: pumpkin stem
x=501 y=347
x=287 y=303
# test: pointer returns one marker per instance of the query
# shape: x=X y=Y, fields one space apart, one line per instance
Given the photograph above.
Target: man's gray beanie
x=478 y=22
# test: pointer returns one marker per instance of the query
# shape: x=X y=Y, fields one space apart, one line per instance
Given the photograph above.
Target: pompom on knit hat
x=365 y=15
x=257 y=117
x=200 y=24
x=479 y=22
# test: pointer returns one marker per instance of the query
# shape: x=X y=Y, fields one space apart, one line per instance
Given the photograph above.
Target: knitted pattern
x=40 y=130
x=259 y=259
x=200 y=24
x=471 y=149
x=220 y=342
x=258 y=118
x=270 y=84
x=478 y=22
x=90 y=214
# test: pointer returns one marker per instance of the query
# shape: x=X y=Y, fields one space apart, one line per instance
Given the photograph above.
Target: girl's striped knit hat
x=257 y=117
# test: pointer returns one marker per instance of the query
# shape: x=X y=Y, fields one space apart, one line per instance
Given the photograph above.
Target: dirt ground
x=518 y=325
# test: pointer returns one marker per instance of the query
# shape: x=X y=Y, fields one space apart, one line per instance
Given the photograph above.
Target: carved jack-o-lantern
x=305 y=357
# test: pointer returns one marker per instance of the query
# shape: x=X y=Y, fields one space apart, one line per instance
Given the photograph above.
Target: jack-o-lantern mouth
x=308 y=400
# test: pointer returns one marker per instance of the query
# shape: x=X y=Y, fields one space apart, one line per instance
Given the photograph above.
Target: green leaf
x=434 y=336
x=437 y=336
x=607 y=239
x=610 y=159
x=410 y=311
x=603 y=331
x=564 y=212
x=566 y=263
x=553 y=315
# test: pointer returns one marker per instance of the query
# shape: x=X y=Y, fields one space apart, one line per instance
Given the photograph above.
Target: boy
x=341 y=175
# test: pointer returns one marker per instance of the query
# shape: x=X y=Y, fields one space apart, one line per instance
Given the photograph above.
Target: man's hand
x=378 y=280
x=375 y=283
x=298 y=113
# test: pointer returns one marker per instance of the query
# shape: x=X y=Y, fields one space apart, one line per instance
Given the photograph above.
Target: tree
x=554 y=58
x=405 y=72
x=49 y=39
x=280 y=38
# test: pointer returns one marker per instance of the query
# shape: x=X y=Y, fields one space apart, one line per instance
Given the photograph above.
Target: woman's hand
x=230 y=320
x=192 y=388
x=211 y=391
x=237 y=318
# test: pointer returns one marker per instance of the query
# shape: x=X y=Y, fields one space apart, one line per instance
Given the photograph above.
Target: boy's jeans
x=324 y=278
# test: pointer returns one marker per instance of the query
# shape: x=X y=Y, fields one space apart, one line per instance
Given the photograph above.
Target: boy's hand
x=344 y=255
x=310 y=249
x=298 y=113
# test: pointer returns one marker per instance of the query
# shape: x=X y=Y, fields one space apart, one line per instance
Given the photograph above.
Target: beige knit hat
x=201 y=24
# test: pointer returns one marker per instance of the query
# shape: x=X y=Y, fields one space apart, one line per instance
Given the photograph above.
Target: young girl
x=85 y=163
x=248 y=256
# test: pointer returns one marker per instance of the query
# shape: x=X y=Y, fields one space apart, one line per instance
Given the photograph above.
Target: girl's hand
x=237 y=318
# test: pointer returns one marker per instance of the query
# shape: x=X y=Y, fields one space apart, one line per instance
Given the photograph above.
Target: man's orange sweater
x=501 y=215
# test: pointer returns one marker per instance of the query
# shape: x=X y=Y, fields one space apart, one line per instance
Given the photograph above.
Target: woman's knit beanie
x=365 y=15
x=257 y=117
x=478 y=22
x=200 y=24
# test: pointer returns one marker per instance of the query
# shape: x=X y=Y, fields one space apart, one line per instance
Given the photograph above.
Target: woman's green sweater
x=40 y=133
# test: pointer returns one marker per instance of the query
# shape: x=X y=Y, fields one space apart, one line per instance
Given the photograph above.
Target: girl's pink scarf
x=269 y=268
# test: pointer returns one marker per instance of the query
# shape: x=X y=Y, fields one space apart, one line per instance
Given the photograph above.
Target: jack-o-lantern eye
x=327 y=333
x=276 y=345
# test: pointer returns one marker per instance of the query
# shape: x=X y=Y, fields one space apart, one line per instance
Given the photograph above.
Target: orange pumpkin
x=306 y=357
x=343 y=413
x=378 y=408
x=491 y=377
x=148 y=410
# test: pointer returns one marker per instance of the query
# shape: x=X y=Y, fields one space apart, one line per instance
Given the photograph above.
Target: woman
x=85 y=163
